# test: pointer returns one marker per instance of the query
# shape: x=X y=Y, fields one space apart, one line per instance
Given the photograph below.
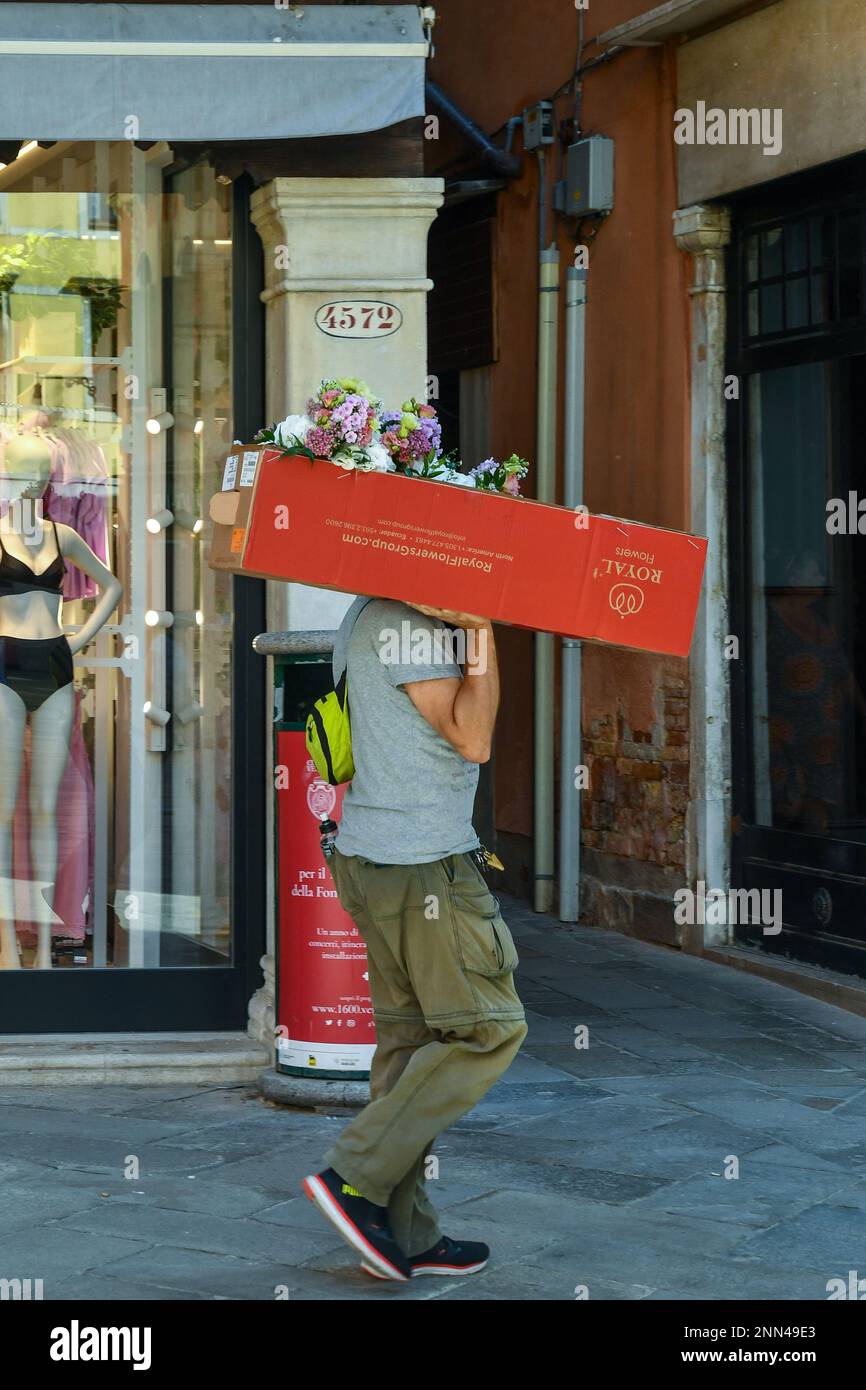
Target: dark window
x=803 y=273
x=460 y=307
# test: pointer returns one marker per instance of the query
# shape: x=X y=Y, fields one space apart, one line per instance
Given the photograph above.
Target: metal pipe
x=498 y=159
x=542 y=199
x=513 y=123
x=543 y=745
x=570 y=744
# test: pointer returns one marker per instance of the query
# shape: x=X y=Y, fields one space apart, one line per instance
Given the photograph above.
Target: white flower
x=461 y=479
x=343 y=462
x=380 y=460
x=292 y=425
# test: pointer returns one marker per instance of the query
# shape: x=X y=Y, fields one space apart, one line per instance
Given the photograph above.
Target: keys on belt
x=486 y=859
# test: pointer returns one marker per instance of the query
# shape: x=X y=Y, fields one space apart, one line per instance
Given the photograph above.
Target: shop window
x=115 y=410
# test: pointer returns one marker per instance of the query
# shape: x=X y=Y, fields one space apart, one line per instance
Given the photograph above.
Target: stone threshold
x=131 y=1059
x=845 y=991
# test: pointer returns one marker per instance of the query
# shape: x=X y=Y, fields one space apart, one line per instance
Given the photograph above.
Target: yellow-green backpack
x=329 y=735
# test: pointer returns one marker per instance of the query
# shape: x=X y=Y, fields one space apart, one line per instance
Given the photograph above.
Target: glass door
x=198 y=666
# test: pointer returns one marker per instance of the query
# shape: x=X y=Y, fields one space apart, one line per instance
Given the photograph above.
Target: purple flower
x=422 y=440
x=488 y=466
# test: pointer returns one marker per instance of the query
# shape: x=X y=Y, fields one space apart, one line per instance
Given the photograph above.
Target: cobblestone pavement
x=602 y=1167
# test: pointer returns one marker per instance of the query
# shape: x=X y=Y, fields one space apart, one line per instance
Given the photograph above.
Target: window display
x=39 y=709
x=115 y=636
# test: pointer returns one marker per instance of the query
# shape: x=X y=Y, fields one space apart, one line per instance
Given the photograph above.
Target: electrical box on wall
x=538 y=125
x=588 y=184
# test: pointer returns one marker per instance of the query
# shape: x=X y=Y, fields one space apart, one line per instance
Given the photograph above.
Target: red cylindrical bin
x=324 y=1013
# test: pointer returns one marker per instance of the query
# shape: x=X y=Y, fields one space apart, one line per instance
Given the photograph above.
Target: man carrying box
x=440 y=956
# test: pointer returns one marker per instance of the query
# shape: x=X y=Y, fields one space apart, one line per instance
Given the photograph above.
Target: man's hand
x=448 y=615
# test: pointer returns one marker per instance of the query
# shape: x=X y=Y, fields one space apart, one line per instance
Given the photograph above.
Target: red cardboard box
x=513 y=560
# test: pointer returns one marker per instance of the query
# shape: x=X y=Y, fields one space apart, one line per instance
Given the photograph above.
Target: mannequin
x=36 y=674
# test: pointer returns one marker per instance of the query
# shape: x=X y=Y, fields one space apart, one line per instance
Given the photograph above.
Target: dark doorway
x=797 y=337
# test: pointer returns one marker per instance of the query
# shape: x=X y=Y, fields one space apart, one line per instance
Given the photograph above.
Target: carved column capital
x=704 y=231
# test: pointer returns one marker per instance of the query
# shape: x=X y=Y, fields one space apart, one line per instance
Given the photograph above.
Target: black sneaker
x=448 y=1257
x=360 y=1222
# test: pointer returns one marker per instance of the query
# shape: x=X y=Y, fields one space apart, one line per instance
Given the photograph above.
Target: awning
x=207 y=72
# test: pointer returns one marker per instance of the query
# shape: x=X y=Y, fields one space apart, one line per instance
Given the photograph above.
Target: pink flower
x=512 y=485
x=320 y=442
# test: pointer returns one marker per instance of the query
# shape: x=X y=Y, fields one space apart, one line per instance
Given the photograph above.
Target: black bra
x=14 y=572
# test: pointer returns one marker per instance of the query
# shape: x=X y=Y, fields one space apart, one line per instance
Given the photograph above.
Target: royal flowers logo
x=348 y=425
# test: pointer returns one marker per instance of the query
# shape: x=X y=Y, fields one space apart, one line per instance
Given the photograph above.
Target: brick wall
x=633 y=814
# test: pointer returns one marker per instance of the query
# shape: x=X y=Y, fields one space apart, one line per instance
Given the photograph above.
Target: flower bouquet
x=341 y=424
x=501 y=477
x=347 y=424
x=531 y=566
x=413 y=437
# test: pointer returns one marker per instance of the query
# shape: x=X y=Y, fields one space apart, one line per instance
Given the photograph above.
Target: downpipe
x=543 y=710
x=571 y=741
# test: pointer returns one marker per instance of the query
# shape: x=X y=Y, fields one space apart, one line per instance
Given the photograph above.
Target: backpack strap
x=340 y=688
x=347 y=637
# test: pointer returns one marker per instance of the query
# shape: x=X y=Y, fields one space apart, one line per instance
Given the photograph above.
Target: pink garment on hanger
x=77 y=496
x=73 y=896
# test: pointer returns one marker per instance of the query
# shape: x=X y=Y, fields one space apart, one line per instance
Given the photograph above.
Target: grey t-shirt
x=411 y=799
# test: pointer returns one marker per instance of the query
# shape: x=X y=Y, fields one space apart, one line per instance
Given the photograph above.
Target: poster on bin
x=325 y=1021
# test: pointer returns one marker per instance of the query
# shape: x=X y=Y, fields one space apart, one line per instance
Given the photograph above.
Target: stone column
x=327 y=241
x=704 y=232
x=359 y=242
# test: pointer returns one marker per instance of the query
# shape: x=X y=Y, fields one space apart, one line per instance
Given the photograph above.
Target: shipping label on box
x=513 y=560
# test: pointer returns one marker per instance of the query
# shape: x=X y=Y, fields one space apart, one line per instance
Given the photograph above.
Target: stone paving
x=602 y=1168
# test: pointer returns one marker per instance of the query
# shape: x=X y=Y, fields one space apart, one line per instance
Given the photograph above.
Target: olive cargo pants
x=448 y=1022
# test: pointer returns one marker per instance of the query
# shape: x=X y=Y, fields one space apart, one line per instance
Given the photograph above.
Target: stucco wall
x=636 y=444
x=805 y=57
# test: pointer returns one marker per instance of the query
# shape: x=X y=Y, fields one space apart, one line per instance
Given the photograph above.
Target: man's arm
x=463 y=711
